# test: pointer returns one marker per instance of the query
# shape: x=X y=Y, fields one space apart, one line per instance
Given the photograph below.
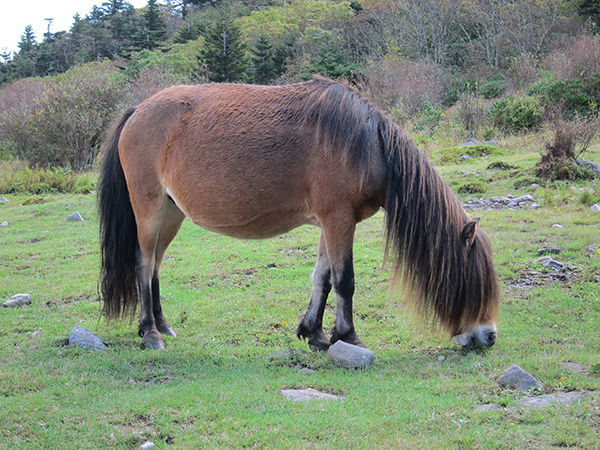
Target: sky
x=16 y=16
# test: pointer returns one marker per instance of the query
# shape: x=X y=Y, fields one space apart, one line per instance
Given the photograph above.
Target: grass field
x=235 y=303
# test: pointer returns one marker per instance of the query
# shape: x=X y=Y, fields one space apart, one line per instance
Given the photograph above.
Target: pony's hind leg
x=311 y=326
x=171 y=224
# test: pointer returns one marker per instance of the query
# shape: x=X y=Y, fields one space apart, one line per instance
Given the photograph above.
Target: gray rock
x=147 y=446
x=503 y=200
x=516 y=378
x=350 y=356
x=75 y=217
x=576 y=368
x=589 y=166
x=550 y=263
x=553 y=251
x=464 y=157
x=441 y=359
x=534 y=206
x=17 y=300
x=306 y=370
x=467 y=172
x=524 y=198
x=491 y=407
x=543 y=401
x=4 y=200
x=592 y=248
x=4 y=224
x=492 y=143
x=596 y=207
x=299 y=395
x=557 y=225
x=80 y=337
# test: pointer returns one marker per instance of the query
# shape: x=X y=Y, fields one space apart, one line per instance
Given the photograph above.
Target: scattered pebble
x=75 y=217
x=17 y=300
x=508 y=202
x=4 y=224
x=147 y=446
x=81 y=337
x=441 y=359
x=596 y=207
x=576 y=368
x=4 y=200
x=299 y=395
x=350 y=356
x=550 y=263
x=516 y=378
x=557 y=225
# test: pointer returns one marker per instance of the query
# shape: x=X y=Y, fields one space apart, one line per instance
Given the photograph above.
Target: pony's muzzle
x=481 y=336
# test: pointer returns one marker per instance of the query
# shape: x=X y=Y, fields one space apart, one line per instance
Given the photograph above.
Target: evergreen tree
x=224 y=51
x=262 y=67
x=153 y=31
x=591 y=9
x=26 y=57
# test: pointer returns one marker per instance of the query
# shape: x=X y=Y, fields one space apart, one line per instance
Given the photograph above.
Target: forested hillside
x=503 y=65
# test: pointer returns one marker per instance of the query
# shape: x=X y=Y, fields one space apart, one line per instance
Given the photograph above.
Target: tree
x=262 y=61
x=224 y=51
x=26 y=57
x=153 y=31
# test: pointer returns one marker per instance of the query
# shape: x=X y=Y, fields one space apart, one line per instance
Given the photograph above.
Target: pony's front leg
x=311 y=326
x=340 y=240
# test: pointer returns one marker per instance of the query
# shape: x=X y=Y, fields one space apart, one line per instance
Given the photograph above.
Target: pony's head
x=477 y=324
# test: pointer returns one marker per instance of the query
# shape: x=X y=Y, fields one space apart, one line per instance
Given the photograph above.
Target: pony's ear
x=468 y=231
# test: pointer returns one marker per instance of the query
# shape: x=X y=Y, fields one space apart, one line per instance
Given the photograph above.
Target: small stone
x=299 y=395
x=306 y=370
x=37 y=333
x=589 y=166
x=524 y=198
x=4 y=224
x=80 y=337
x=576 y=368
x=543 y=401
x=553 y=251
x=441 y=359
x=350 y=356
x=557 y=225
x=464 y=157
x=4 y=200
x=17 y=300
x=516 y=378
x=550 y=263
x=147 y=446
x=492 y=143
x=534 y=206
x=75 y=217
x=596 y=207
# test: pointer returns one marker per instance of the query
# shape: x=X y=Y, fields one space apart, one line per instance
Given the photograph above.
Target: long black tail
x=118 y=233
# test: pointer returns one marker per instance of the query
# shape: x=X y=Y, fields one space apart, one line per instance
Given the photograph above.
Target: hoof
x=168 y=331
x=348 y=338
x=156 y=345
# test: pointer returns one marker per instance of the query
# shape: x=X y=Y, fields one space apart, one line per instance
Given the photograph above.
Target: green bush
x=516 y=114
x=492 y=88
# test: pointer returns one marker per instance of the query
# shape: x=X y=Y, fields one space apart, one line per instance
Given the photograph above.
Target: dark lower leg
x=161 y=323
x=343 y=285
x=311 y=326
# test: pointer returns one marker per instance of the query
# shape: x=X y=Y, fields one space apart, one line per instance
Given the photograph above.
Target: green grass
x=216 y=384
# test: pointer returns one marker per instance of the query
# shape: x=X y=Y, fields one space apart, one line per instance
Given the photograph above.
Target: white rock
x=4 y=200
x=147 y=446
x=75 y=217
x=350 y=356
x=557 y=225
x=596 y=207
x=4 y=224
x=17 y=300
x=299 y=395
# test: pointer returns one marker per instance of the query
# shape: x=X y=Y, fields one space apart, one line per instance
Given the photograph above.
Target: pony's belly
x=261 y=226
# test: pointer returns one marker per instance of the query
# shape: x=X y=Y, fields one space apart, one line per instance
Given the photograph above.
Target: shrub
x=492 y=88
x=570 y=140
x=73 y=115
x=516 y=113
x=471 y=112
x=471 y=187
x=401 y=85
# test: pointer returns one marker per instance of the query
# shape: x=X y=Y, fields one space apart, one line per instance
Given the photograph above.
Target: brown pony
x=253 y=162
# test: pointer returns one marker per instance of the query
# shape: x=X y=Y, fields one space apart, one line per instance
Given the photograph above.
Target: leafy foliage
x=517 y=113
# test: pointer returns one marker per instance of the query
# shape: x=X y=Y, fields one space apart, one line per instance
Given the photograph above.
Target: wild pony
x=253 y=162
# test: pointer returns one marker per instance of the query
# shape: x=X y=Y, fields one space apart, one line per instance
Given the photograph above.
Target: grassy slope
x=215 y=385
